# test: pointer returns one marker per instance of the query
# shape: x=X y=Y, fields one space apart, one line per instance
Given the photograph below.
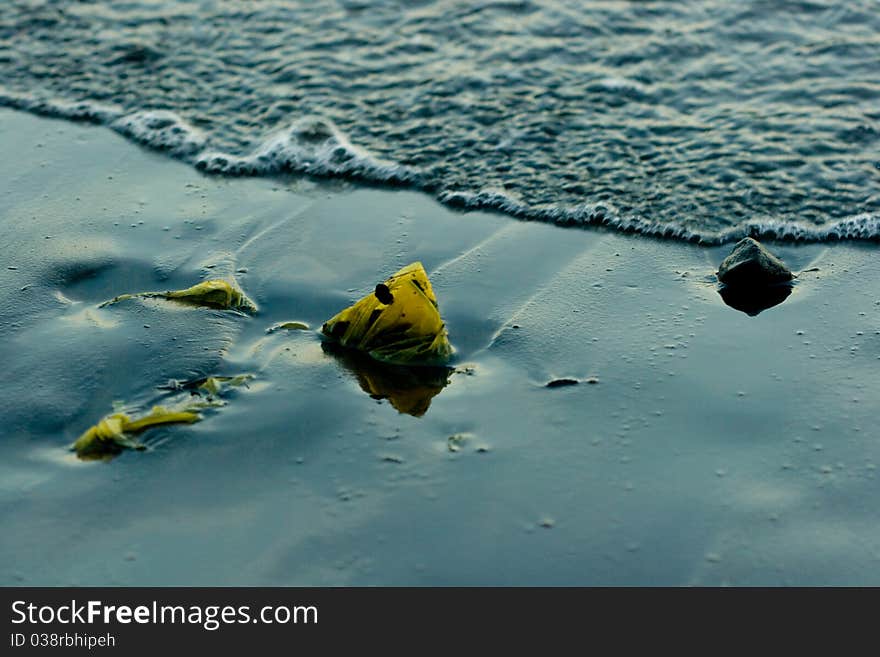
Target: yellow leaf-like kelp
x=213 y=385
x=114 y=432
x=117 y=431
x=215 y=293
x=288 y=326
x=398 y=323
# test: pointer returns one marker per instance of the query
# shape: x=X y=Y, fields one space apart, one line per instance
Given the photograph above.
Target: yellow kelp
x=288 y=326
x=398 y=323
x=113 y=433
x=213 y=385
x=215 y=293
x=116 y=432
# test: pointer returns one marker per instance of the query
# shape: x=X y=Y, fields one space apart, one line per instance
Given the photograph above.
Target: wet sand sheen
x=715 y=447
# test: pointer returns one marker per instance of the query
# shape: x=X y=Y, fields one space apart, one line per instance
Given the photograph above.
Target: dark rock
x=751 y=265
x=753 y=279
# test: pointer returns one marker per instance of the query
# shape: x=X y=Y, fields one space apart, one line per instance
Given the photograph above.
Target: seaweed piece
x=116 y=431
x=210 y=384
x=113 y=433
x=214 y=384
x=215 y=293
x=398 y=323
x=160 y=415
x=288 y=326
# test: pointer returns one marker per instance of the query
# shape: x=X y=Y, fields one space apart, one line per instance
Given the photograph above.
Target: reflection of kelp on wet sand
x=408 y=389
x=118 y=431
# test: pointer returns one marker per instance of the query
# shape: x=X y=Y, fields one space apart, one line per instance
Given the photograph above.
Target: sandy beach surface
x=699 y=446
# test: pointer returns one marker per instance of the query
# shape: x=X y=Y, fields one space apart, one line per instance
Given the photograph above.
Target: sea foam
x=315 y=146
x=864 y=227
x=162 y=130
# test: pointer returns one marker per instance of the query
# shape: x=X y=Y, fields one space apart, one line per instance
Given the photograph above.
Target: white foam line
x=864 y=226
x=315 y=146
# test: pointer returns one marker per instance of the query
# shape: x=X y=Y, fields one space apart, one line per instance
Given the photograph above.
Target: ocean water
x=702 y=120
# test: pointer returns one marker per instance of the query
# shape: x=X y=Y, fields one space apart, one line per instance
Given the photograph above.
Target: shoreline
x=279 y=156
x=714 y=447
